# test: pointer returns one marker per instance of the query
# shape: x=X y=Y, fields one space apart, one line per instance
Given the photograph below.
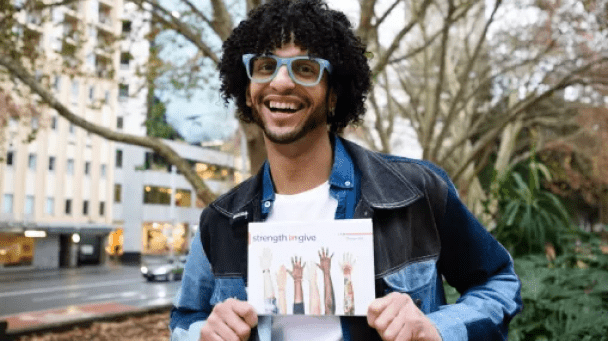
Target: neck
x=302 y=165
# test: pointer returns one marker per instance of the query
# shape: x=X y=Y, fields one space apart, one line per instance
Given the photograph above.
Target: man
x=296 y=69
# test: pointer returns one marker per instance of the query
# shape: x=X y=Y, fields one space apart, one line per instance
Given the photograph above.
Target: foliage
x=156 y=124
x=529 y=215
x=564 y=299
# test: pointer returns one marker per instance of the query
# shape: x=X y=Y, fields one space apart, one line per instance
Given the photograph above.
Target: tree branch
x=202 y=191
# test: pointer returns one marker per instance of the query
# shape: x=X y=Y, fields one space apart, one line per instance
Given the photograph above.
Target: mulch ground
x=151 y=327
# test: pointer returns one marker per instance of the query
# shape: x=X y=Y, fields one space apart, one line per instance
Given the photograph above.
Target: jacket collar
x=382 y=185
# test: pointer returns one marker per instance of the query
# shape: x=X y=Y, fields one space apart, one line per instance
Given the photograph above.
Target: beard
x=316 y=118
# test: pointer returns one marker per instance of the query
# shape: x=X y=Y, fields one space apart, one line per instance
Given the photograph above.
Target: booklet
x=293 y=267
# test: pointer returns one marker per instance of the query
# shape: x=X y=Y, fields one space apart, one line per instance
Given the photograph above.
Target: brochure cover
x=311 y=268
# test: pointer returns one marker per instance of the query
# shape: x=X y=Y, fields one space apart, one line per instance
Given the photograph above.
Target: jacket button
x=347 y=183
x=267 y=204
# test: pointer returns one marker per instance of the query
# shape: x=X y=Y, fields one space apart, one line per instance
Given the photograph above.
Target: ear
x=332 y=99
x=248 y=97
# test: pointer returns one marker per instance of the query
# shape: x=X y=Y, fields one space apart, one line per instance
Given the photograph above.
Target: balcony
x=72 y=11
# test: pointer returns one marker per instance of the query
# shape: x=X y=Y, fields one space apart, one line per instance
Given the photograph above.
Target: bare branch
x=161 y=14
x=397 y=40
x=385 y=15
x=464 y=80
x=155 y=144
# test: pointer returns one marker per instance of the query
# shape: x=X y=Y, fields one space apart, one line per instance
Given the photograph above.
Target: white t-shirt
x=314 y=204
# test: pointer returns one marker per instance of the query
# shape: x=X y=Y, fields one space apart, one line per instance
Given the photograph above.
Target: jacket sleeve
x=481 y=269
x=191 y=306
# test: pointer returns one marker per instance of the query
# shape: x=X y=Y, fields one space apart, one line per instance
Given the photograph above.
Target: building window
x=103 y=171
x=125 y=59
x=119 y=122
x=57 y=83
x=74 y=92
x=102 y=208
x=85 y=207
x=51 y=163
x=72 y=129
x=70 y=167
x=126 y=26
x=117 y=192
x=91 y=93
x=31 y=161
x=162 y=196
x=87 y=168
x=29 y=205
x=7 y=207
x=123 y=91
x=68 y=206
x=183 y=198
x=118 y=158
x=157 y=195
x=50 y=206
x=9 y=158
x=106 y=97
x=54 y=123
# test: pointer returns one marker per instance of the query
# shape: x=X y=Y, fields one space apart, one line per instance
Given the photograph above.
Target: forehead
x=289 y=50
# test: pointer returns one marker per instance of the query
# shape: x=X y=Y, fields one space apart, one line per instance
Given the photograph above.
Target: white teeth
x=281 y=105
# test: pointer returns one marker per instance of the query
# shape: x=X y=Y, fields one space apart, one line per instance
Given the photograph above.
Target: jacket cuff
x=449 y=323
x=192 y=334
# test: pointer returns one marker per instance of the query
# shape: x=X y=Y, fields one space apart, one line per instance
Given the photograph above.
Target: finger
x=246 y=312
x=375 y=309
x=387 y=317
x=289 y=272
x=319 y=252
x=397 y=328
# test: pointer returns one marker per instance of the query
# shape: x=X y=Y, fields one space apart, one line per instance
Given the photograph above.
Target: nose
x=282 y=80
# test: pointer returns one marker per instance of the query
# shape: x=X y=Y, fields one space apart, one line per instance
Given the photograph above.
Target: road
x=49 y=289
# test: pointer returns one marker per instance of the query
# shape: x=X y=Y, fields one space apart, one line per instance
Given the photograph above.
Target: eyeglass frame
x=325 y=65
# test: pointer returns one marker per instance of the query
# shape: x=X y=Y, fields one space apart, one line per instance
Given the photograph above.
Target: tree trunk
x=255 y=146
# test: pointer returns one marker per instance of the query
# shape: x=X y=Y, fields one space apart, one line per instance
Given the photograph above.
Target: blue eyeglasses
x=303 y=70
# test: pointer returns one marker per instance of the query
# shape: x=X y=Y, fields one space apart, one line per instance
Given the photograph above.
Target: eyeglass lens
x=304 y=70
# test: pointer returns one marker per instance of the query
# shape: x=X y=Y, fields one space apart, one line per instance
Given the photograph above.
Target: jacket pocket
x=226 y=288
x=419 y=281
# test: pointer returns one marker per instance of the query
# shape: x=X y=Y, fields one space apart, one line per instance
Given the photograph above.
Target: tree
x=483 y=82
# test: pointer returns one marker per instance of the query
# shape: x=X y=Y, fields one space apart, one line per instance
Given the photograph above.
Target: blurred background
x=113 y=138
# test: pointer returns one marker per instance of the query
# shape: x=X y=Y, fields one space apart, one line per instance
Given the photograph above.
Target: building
x=69 y=197
x=155 y=210
x=55 y=192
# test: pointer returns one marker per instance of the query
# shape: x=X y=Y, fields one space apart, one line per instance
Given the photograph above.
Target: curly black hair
x=325 y=33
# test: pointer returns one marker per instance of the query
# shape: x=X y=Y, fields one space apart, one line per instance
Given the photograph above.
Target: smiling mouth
x=279 y=107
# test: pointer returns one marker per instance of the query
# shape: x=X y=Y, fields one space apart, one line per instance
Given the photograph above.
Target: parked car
x=169 y=269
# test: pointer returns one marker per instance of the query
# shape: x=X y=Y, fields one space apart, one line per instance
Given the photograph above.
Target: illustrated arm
x=349 y=295
x=313 y=289
x=297 y=274
x=281 y=280
x=325 y=266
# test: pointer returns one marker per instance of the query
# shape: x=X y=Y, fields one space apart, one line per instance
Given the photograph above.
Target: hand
x=396 y=317
x=230 y=320
x=325 y=260
x=266 y=259
x=281 y=278
x=348 y=261
x=298 y=268
x=311 y=273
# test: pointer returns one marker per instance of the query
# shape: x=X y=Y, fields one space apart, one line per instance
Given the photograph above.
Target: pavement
x=64 y=318
x=12 y=326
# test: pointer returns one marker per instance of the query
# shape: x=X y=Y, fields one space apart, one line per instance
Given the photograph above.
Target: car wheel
x=150 y=278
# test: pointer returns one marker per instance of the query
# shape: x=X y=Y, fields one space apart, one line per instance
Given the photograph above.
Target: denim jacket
x=422 y=234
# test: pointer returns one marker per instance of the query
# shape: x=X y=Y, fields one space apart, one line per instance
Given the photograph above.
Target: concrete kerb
x=78 y=322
